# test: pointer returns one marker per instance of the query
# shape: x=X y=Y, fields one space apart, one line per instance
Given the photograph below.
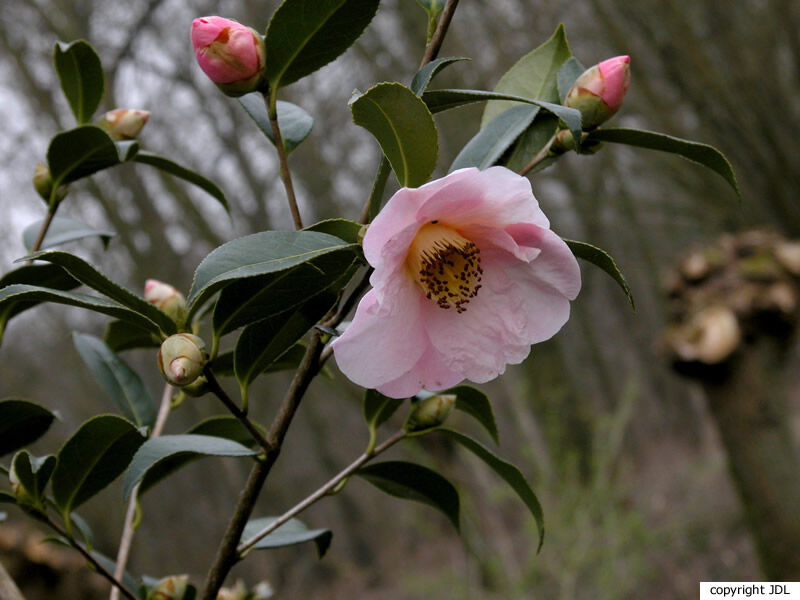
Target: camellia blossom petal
x=467 y=276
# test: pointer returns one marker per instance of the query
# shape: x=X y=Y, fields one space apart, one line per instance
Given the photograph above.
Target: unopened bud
x=43 y=183
x=231 y=54
x=430 y=412
x=170 y=588
x=599 y=91
x=19 y=491
x=124 y=123
x=167 y=298
x=181 y=358
x=237 y=592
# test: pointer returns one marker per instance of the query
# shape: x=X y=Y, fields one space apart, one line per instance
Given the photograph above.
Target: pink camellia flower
x=599 y=91
x=165 y=297
x=231 y=54
x=467 y=276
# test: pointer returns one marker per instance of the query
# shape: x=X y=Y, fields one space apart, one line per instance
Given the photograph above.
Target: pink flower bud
x=181 y=358
x=599 y=91
x=166 y=298
x=231 y=54
x=124 y=123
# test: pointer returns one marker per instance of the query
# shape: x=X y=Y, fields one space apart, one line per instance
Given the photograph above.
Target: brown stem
x=433 y=47
x=237 y=412
x=540 y=156
x=286 y=174
x=48 y=220
x=129 y=530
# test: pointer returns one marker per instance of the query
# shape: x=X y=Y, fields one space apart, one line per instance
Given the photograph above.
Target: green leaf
x=432 y=7
x=531 y=142
x=534 y=76
x=33 y=474
x=491 y=142
x=92 y=458
x=295 y=123
x=414 y=482
x=155 y=450
x=111 y=566
x=423 y=77
x=22 y=422
x=379 y=408
x=601 y=258
x=173 y=168
x=305 y=35
x=225 y=427
x=121 y=335
x=567 y=74
x=342 y=228
x=404 y=128
x=290 y=533
x=265 y=341
x=80 y=152
x=703 y=154
x=118 y=380
x=62 y=231
x=81 y=76
x=511 y=474
x=48 y=276
x=250 y=300
x=35 y=294
x=223 y=364
x=257 y=254
x=88 y=275
x=476 y=404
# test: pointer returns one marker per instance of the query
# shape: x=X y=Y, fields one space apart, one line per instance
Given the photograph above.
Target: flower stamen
x=446 y=265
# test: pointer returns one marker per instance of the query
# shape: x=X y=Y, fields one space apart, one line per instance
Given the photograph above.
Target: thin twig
x=48 y=220
x=326 y=489
x=237 y=412
x=129 y=529
x=433 y=47
x=283 y=158
x=540 y=156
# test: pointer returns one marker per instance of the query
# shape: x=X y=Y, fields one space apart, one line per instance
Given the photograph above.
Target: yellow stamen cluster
x=446 y=265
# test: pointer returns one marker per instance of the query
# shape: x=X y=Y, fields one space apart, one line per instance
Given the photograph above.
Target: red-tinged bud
x=170 y=588
x=124 y=123
x=599 y=91
x=231 y=54
x=43 y=184
x=166 y=298
x=181 y=358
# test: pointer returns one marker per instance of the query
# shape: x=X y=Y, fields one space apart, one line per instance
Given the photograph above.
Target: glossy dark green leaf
x=414 y=482
x=35 y=294
x=266 y=341
x=81 y=76
x=88 y=275
x=491 y=142
x=222 y=365
x=295 y=123
x=121 y=336
x=342 y=228
x=80 y=152
x=404 y=128
x=22 y=422
x=567 y=74
x=254 y=255
x=476 y=404
x=290 y=533
x=423 y=77
x=305 y=35
x=33 y=473
x=181 y=172
x=250 y=300
x=601 y=258
x=155 y=450
x=702 y=154
x=117 y=379
x=92 y=458
x=511 y=474
x=61 y=231
x=378 y=188
x=534 y=76
x=378 y=408
x=48 y=276
x=225 y=427
x=528 y=145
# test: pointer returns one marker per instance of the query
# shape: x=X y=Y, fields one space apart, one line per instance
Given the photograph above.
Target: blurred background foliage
x=638 y=501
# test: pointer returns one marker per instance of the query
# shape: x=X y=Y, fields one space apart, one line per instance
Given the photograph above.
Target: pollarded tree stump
x=734 y=314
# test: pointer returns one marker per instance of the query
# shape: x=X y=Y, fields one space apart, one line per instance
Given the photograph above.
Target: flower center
x=446 y=265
